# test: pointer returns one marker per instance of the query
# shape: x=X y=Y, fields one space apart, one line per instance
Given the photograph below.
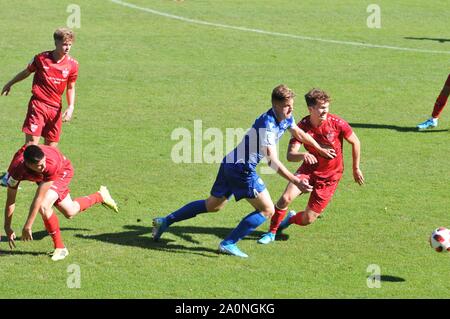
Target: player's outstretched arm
x=70 y=96
x=19 y=77
x=10 y=205
x=300 y=135
x=356 y=155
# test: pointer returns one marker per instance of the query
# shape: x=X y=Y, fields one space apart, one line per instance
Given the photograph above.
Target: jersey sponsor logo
x=33 y=127
x=12 y=182
x=65 y=72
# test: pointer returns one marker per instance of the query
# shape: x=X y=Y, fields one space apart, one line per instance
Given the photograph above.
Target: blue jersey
x=266 y=131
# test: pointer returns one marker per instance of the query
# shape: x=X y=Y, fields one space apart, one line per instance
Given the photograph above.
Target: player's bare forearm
x=19 y=77
x=277 y=166
x=303 y=137
x=356 y=156
x=70 y=96
x=10 y=206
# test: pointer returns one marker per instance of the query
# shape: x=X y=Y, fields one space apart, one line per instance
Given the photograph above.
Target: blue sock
x=248 y=224
x=188 y=211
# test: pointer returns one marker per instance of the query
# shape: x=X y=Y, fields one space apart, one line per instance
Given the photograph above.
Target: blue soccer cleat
x=231 y=249
x=159 y=227
x=430 y=123
x=285 y=223
x=267 y=238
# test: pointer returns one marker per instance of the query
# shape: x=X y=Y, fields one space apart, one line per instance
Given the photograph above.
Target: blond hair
x=63 y=34
x=282 y=93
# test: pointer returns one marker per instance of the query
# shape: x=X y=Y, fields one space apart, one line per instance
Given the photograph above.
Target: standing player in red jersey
x=52 y=171
x=439 y=105
x=319 y=176
x=54 y=71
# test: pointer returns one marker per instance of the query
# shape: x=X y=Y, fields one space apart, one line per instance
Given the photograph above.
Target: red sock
x=441 y=101
x=296 y=219
x=439 y=105
x=52 y=226
x=276 y=220
x=88 y=201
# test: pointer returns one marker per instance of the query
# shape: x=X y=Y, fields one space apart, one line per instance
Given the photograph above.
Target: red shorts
x=43 y=120
x=322 y=193
x=61 y=185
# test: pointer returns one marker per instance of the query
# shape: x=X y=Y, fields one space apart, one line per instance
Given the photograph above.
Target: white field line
x=286 y=35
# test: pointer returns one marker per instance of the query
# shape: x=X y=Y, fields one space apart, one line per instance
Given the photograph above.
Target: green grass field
x=143 y=75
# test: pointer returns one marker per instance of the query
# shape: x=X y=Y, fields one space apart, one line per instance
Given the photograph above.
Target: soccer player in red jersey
x=54 y=71
x=319 y=175
x=439 y=105
x=52 y=171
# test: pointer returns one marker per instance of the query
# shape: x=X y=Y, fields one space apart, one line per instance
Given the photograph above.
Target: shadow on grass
x=391 y=278
x=15 y=252
x=394 y=127
x=42 y=234
x=36 y=236
x=140 y=236
x=441 y=40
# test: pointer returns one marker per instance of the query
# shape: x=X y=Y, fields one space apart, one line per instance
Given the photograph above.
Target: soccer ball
x=440 y=239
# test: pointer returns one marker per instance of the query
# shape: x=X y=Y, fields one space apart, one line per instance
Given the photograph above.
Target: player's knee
x=285 y=200
x=268 y=212
x=45 y=210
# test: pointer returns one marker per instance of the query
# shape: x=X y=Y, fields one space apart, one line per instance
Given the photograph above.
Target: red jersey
x=55 y=166
x=50 y=78
x=329 y=134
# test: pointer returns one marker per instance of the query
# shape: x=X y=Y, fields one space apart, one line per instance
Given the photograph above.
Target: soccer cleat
x=4 y=179
x=231 y=249
x=267 y=238
x=59 y=254
x=108 y=201
x=285 y=223
x=430 y=123
x=159 y=227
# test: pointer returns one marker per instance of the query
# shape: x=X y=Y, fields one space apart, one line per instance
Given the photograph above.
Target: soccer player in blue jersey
x=237 y=173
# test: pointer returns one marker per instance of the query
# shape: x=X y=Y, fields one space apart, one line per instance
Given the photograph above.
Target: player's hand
x=11 y=235
x=27 y=234
x=67 y=116
x=309 y=158
x=358 y=176
x=327 y=152
x=5 y=90
x=303 y=185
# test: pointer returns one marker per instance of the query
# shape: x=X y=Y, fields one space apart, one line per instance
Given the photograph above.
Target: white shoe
x=430 y=123
x=60 y=253
x=108 y=201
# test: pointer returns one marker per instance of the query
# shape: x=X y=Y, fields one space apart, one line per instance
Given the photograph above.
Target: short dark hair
x=282 y=93
x=33 y=154
x=316 y=95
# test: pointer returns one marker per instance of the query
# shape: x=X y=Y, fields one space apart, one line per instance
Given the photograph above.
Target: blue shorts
x=237 y=180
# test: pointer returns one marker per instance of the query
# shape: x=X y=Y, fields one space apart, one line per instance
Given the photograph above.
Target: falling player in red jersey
x=319 y=176
x=52 y=171
x=439 y=105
